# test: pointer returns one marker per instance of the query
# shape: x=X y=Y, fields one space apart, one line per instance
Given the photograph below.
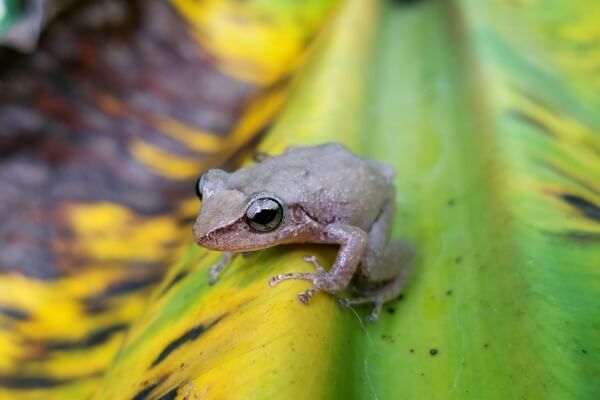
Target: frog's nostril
x=198 y=232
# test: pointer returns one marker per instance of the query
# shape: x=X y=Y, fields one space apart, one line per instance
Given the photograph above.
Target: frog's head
x=231 y=220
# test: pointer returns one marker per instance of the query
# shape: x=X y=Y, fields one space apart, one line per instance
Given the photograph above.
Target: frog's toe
x=374 y=316
x=305 y=296
x=313 y=259
x=275 y=280
x=342 y=302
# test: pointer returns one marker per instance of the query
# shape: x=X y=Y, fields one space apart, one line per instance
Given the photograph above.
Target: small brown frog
x=318 y=194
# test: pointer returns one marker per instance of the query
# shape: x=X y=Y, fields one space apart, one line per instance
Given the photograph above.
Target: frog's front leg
x=217 y=269
x=353 y=243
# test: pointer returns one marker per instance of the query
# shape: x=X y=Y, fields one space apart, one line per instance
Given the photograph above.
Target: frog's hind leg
x=384 y=169
x=399 y=254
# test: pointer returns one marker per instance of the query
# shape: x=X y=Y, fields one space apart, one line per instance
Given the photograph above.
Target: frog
x=322 y=194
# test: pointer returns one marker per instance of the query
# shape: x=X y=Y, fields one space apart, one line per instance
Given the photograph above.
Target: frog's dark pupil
x=265 y=216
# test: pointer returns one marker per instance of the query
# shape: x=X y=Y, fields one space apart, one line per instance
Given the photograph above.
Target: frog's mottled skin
x=329 y=195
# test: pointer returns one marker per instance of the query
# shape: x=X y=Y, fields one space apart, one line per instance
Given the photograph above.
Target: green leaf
x=491 y=131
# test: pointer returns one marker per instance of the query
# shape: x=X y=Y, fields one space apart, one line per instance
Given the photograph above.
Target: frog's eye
x=199 y=186
x=264 y=214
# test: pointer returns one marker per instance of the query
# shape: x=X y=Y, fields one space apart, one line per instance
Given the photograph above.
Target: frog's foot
x=376 y=300
x=322 y=280
x=389 y=291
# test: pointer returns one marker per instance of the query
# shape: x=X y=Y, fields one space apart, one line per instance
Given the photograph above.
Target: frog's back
x=328 y=181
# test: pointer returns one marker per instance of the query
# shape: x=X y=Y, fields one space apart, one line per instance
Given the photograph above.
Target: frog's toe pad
x=305 y=296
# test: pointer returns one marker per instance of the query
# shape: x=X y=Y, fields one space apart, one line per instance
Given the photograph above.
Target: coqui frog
x=319 y=194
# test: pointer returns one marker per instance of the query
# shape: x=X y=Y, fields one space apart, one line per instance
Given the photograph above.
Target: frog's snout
x=200 y=232
x=206 y=237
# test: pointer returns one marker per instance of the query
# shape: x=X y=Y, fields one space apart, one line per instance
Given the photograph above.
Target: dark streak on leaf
x=145 y=392
x=131 y=286
x=584 y=237
x=95 y=306
x=531 y=121
x=539 y=102
x=188 y=336
x=406 y=2
x=587 y=208
x=98 y=303
x=183 y=273
x=180 y=275
x=29 y=382
x=170 y=395
x=120 y=288
x=20 y=381
x=564 y=174
x=581 y=237
x=282 y=83
x=14 y=313
x=95 y=338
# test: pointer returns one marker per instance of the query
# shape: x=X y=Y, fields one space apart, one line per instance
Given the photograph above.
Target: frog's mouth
x=212 y=240
x=219 y=238
x=233 y=237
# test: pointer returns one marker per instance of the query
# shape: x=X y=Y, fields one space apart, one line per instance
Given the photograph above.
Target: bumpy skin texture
x=327 y=195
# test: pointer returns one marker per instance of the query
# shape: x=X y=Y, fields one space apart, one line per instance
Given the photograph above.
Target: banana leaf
x=488 y=112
